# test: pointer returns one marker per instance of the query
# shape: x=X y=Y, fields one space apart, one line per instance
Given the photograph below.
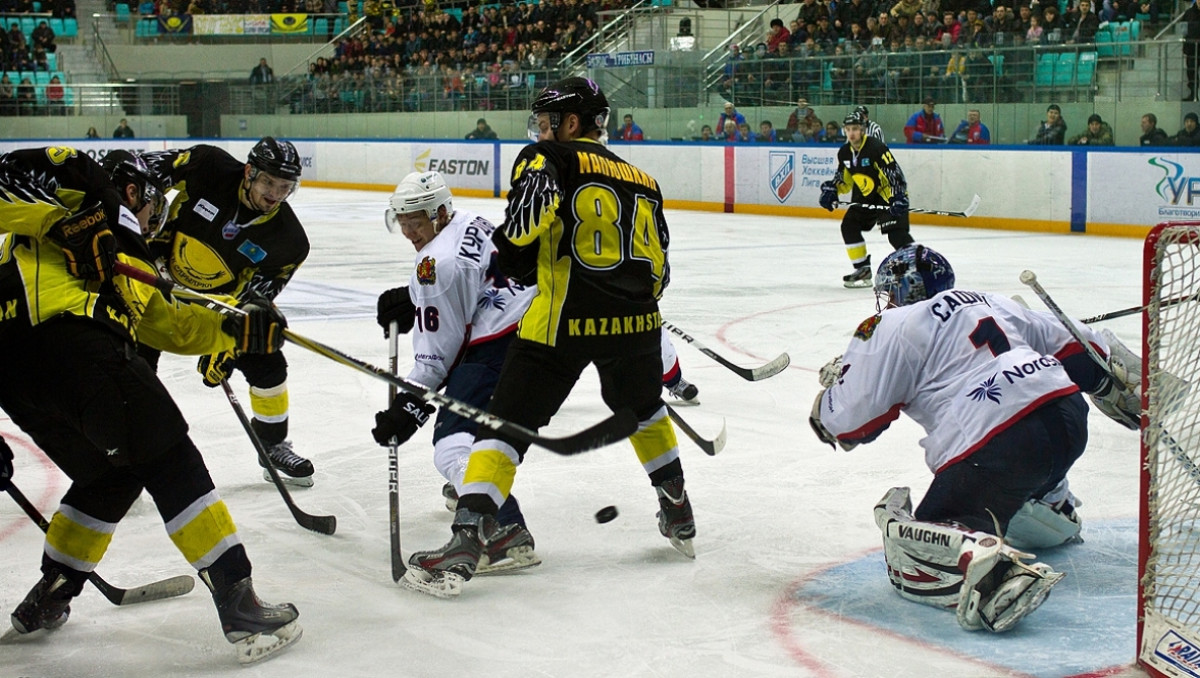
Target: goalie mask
x=581 y=96
x=419 y=192
x=910 y=274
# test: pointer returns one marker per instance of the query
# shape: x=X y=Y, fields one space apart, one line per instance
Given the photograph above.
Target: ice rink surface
x=788 y=578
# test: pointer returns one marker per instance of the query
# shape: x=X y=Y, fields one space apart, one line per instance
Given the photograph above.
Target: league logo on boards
x=782 y=168
x=1180 y=653
x=427 y=271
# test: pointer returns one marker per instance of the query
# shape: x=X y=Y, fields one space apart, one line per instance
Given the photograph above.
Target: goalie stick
x=619 y=426
x=710 y=447
x=770 y=369
x=166 y=588
x=321 y=524
x=398 y=566
x=918 y=210
x=1132 y=310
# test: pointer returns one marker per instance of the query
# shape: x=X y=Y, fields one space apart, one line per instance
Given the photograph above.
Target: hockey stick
x=321 y=524
x=398 y=567
x=918 y=210
x=166 y=588
x=753 y=374
x=1136 y=309
x=619 y=426
x=1030 y=278
x=710 y=447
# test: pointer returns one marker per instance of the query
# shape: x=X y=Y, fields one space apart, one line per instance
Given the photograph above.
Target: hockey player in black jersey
x=231 y=231
x=867 y=170
x=588 y=229
x=73 y=382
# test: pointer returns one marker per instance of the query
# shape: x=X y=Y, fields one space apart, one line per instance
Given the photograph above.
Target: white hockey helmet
x=421 y=192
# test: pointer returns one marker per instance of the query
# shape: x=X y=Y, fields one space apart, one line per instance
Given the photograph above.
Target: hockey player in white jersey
x=996 y=388
x=465 y=313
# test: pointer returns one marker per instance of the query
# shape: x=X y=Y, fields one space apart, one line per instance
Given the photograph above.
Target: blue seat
x=56 y=25
x=123 y=14
x=28 y=23
x=343 y=7
x=37 y=6
x=339 y=25
x=1122 y=34
x=321 y=26
x=68 y=96
x=997 y=62
x=70 y=27
x=1043 y=75
x=52 y=60
x=41 y=78
x=1085 y=70
x=1064 y=69
x=1104 y=43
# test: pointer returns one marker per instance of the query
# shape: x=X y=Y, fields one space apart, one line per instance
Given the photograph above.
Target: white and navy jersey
x=874 y=130
x=461 y=297
x=964 y=365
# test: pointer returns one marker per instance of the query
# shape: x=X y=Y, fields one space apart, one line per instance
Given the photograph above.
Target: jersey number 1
x=988 y=333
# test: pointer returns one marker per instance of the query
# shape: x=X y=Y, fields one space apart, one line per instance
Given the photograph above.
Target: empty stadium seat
x=1085 y=70
x=56 y=25
x=52 y=60
x=28 y=23
x=1064 y=70
x=70 y=27
x=123 y=15
x=41 y=77
x=1104 y=43
x=998 y=62
x=1043 y=75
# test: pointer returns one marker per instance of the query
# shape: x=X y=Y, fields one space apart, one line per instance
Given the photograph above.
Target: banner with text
x=231 y=24
x=1143 y=188
x=462 y=165
x=620 y=59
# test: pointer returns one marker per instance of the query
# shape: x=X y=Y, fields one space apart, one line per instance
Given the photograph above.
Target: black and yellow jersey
x=38 y=187
x=596 y=227
x=213 y=242
x=870 y=173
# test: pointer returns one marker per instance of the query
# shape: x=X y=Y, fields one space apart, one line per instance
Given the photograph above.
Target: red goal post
x=1168 y=633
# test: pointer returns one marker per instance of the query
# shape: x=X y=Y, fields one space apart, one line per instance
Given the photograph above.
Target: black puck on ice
x=606 y=514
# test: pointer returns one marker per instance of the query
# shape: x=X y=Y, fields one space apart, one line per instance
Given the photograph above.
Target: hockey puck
x=606 y=514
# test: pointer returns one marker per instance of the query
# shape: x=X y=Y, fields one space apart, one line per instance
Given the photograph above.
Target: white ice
x=788 y=578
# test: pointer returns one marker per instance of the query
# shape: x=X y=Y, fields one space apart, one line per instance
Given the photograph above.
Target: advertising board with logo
x=1143 y=188
x=463 y=165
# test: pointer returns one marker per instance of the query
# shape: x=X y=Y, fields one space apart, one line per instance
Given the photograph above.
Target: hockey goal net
x=1169 y=551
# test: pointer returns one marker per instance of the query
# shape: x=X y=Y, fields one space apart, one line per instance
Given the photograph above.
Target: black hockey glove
x=400 y=421
x=259 y=329
x=829 y=195
x=87 y=243
x=216 y=367
x=395 y=305
x=898 y=207
x=6 y=465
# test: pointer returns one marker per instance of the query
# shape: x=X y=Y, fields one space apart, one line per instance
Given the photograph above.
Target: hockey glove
x=6 y=465
x=830 y=372
x=898 y=207
x=814 y=420
x=259 y=329
x=216 y=367
x=395 y=305
x=1122 y=406
x=400 y=421
x=829 y=195
x=87 y=243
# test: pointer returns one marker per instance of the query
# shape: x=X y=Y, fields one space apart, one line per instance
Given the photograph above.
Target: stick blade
x=772 y=368
x=159 y=590
x=710 y=447
x=972 y=207
x=318 y=524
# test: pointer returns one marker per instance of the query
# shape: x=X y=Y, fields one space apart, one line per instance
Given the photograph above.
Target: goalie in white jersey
x=996 y=388
x=465 y=313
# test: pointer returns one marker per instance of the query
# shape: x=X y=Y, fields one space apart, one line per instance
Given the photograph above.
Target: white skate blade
x=518 y=558
x=853 y=284
x=438 y=585
x=304 y=481
x=262 y=646
x=684 y=546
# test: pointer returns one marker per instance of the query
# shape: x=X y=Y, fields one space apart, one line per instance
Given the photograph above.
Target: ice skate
x=861 y=277
x=257 y=630
x=441 y=572
x=675 y=520
x=684 y=391
x=998 y=589
x=47 y=605
x=451 y=497
x=293 y=469
x=508 y=549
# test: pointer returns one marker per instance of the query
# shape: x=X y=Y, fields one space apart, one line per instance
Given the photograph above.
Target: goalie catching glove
x=814 y=420
x=400 y=421
x=87 y=243
x=259 y=328
x=396 y=306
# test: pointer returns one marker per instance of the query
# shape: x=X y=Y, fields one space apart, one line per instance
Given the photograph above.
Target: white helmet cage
x=419 y=192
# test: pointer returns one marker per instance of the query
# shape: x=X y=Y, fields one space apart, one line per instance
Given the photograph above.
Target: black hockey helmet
x=854 y=118
x=277 y=158
x=863 y=110
x=124 y=168
x=581 y=96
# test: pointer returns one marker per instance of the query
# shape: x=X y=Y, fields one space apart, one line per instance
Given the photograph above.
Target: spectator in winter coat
x=730 y=113
x=1190 y=134
x=1053 y=130
x=766 y=133
x=1151 y=134
x=1098 y=133
x=803 y=123
x=629 y=131
x=971 y=130
x=482 y=131
x=925 y=126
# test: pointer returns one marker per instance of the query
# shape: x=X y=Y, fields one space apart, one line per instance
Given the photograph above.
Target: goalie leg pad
x=922 y=558
x=1040 y=525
